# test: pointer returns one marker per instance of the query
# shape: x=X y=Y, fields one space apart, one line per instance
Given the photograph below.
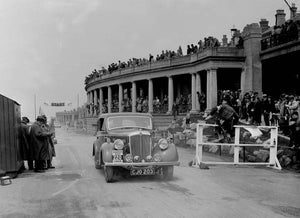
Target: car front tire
x=168 y=172
x=109 y=173
x=97 y=166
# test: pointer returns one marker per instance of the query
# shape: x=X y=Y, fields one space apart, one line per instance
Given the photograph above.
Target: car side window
x=100 y=124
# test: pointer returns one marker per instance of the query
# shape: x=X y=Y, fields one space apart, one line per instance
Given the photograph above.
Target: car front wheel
x=109 y=173
x=168 y=172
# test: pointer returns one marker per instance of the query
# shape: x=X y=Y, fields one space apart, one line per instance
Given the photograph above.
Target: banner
x=58 y=104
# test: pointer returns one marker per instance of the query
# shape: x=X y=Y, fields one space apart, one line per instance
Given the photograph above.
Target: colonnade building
x=212 y=69
x=226 y=67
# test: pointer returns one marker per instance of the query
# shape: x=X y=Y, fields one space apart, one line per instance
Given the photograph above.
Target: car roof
x=106 y=115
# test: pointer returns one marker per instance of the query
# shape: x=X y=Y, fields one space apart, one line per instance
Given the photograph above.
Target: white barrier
x=273 y=161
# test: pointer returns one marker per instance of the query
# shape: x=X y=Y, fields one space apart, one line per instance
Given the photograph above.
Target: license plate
x=117 y=156
x=142 y=171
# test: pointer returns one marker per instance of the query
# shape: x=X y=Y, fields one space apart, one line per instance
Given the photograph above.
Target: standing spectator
x=294 y=126
x=179 y=51
x=267 y=108
x=189 y=50
x=150 y=58
x=24 y=143
x=292 y=105
x=257 y=111
x=188 y=120
x=50 y=142
x=175 y=110
x=38 y=140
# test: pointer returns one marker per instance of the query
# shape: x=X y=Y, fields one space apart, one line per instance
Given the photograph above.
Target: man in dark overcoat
x=38 y=140
x=24 y=143
x=46 y=128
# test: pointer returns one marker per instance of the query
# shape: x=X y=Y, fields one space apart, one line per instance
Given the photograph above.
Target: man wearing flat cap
x=38 y=139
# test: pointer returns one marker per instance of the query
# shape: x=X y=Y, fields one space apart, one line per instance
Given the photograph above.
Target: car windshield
x=129 y=121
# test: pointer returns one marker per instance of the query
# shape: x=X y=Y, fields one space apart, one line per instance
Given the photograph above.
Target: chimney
x=293 y=11
x=264 y=24
x=280 y=17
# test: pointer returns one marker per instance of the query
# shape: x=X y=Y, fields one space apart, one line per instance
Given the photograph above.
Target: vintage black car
x=126 y=141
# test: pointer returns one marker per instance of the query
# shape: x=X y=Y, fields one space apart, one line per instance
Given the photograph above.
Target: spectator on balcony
x=189 y=50
x=150 y=58
x=162 y=56
x=179 y=51
x=200 y=46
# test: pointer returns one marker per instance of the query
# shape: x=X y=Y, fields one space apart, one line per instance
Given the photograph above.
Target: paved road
x=76 y=189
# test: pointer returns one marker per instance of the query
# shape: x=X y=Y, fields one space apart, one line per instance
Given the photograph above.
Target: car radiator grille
x=140 y=145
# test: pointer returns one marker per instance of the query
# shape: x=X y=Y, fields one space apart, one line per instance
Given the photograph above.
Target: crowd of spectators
x=252 y=109
x=282 y=34
x=182 y=102
x=207 y=42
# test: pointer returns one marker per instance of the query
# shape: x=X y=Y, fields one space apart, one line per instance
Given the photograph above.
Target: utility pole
x=77 y=101
x=34 y=106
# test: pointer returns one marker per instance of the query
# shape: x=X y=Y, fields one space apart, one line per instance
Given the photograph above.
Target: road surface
x=76 y=189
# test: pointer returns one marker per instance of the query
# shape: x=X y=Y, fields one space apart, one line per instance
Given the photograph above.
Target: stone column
x=198 y=89
x=150 y=96
x=120 y=97
x=109 y=99
x=243 y=81
x=193 y=94
x=100 y=100
x=212 y=89
x=251 y=78
x=133 y=97
x=91 y=100
x=95 y=101
x=170 y=94
x=87 y=100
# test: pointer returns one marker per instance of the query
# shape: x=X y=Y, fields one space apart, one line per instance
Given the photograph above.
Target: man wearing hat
x=38 y=139
x=292 y=105
x=24 y=143
x=50 y=143
x=226 y=119
x=267 y=108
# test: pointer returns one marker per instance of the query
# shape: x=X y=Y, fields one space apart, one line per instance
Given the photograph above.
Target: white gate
x=273 y=161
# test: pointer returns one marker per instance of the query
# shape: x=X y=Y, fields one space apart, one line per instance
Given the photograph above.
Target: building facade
x=205 y=72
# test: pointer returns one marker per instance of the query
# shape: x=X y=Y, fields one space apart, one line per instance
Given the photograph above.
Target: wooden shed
x=10 y=118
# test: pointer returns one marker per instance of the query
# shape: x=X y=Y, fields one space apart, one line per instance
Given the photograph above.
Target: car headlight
x=163 y=144
x=157 y=158
x=128 y=158
x=149 y=158
x=136 y=158
x=118 y=144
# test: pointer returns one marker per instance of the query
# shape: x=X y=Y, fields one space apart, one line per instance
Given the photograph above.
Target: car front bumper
x=144 y=164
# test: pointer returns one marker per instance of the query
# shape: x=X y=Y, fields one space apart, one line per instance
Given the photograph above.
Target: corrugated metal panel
x=9 y=123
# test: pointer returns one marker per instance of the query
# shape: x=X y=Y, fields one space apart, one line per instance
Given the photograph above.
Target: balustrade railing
x=215 y=51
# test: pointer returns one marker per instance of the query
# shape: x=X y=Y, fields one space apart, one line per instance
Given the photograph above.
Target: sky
x=47 y=47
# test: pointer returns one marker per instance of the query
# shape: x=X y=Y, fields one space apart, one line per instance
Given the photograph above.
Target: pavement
x=76 y=189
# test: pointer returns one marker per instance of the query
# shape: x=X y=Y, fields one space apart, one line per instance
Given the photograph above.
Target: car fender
x=168 y=155
x=106 y=150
